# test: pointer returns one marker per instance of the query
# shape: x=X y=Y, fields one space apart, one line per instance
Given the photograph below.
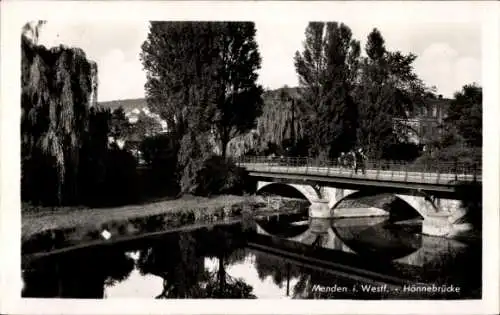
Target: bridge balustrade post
x=456 y=170
x=475 y=172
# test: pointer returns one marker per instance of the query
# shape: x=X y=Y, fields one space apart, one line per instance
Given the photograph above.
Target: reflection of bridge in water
x=373 y=237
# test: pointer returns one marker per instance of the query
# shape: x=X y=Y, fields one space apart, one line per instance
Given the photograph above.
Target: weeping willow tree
x=280 y=125
x=281 y=118
x=56 y=88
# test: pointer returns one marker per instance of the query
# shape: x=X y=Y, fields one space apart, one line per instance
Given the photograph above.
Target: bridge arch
x=283 y=232
x=307 y=235
x=420 y=202
x=310 y=193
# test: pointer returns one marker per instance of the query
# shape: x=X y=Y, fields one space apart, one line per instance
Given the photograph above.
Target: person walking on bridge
x=341 y=160
x=360 y=163
x=352 y=160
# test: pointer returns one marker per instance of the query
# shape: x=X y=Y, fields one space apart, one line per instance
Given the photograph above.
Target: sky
x=448 y=54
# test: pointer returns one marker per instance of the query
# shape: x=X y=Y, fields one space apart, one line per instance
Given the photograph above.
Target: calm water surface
x=286 y=257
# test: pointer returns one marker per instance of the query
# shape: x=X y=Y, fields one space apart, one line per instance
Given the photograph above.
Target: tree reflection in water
x=283 y=272
x=80 y=274
x=278 y=269
x=179 y=260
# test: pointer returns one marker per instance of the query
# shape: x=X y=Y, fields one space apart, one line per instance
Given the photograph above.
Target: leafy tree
x=459 y=139
x=465 y=115
x=388 y=89
x=159 y=153
x=146 y=126
x=181 y=71
x=177 y=57
x=204 y=72
x=193 y=152
x=327 y=72
x=238 y=95
x=120 y=126
x=219 y=176
x=201 y=80
x=94 y=153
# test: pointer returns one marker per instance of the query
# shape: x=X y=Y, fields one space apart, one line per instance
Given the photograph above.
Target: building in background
x=425 y=122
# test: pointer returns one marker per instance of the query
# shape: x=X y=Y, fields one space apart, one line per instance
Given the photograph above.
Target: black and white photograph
x=314 y=157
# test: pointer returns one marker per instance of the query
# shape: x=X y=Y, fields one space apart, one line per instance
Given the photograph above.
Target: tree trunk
x=293 y=124
x=221 y=276
x=224 y=148
x=224 y=143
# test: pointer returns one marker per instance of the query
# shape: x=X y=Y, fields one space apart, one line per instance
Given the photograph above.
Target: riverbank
x=43 y=219
x=49 y=229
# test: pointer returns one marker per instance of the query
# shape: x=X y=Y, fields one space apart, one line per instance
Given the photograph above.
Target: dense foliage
x=65 y=152
x=465 y=116
x=203 y=84
x=55 y=90
x=388 y=89
x=327 y=72
x=219 y=176
x=353 y=100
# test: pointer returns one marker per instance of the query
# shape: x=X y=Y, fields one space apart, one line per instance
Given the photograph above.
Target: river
x=284 y=257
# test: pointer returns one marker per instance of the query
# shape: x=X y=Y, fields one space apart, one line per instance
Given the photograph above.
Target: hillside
x=131 y=104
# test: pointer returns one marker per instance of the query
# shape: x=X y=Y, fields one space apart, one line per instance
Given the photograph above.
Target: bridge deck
x=375 y=175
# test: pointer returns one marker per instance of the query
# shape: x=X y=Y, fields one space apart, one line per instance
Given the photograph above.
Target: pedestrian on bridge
x=341 y=160
x=360 y=161
x=352 y=160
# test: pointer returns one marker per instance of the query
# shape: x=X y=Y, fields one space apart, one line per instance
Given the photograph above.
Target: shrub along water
x=220 y=176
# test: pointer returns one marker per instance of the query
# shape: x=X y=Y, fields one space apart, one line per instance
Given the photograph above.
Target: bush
x=402 y=152
x=160 y=155
x=464 y=157
x=112 y=180
x=220 y=176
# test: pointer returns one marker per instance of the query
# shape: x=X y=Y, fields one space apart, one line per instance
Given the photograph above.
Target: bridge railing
x=443 y=172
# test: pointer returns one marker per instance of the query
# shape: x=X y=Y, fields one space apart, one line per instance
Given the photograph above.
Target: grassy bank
x=51 y=229
x=60 y=218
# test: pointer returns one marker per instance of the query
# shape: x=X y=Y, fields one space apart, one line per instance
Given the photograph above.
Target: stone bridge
x=441 y=217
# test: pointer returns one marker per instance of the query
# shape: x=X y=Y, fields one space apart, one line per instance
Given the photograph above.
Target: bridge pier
x=436 y=225
x=320 y=209
x=319 y=225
